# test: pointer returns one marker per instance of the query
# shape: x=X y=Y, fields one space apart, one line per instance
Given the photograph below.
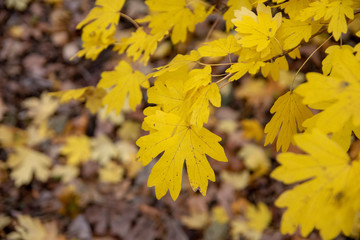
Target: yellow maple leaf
x=179 y=15
x=124 y=82
x=103 y=18
x=257 y=220
x=111 y=173
x=241 y=68
x=234 y=5
x=290 y=113
x=256 y=30
x=177 y=62
x=220 y=47
x=331 y=59
x=139 y=44
x=200 y=108
x=237 y=180
x=252 y=129
x=26 y=163
x=293 y=32
x=196 y=220
x=38 y=134
x=273 y=68
x=258 y=216
x=168 y=90
x=327 y=198
x=103 y=150
x=180 y=142
x=41 y=109
x=93 y=44
x=77 y=149
x=337 y=95
x=255 y=160
x=334 y=11
x=65 y=172
x=93 y=97
x=293 y=7
x=11 y=136
x=187 y=94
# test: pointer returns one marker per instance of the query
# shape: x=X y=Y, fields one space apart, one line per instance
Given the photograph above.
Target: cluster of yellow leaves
x=290 y=113
x=98 y=28
x=179 y=16
x=80 y=149
x=337 y=95
x=329 y=198
x=182 y=99
x=332 y=12
x=24 y=160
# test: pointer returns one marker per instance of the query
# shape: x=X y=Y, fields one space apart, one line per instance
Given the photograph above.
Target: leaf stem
x=127 y=17
x=297 y=72
x=214 y=64
x=212 y=28
x=224 y=78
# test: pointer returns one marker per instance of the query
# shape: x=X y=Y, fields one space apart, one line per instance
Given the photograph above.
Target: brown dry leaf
x=25 y=163
x=52 y=232
x=70 y=201
x=41 y=109
x=79 y=228
x=3 y=109
x=3 y=171
x=17 y=31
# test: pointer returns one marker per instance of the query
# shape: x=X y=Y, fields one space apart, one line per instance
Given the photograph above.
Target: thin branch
x=214 y=64
x=224 y=85
x=297 y=72
x=212 y=28
x=127 y=17
x=224 y=78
